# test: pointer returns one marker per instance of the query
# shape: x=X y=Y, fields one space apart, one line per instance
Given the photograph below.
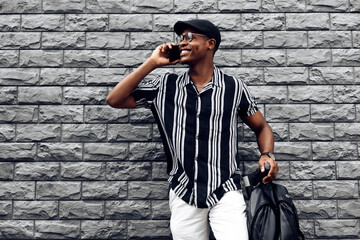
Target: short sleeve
x=147 y=91
x=248 y=105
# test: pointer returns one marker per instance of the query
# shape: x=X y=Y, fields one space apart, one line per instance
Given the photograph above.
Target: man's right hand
x=161 y=55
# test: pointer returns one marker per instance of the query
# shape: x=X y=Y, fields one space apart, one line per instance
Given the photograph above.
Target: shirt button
x=196 y=158
x=197 y=115
x=197 y=136
x=195 y=180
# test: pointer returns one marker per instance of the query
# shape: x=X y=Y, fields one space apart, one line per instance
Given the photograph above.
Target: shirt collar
x=217 y=77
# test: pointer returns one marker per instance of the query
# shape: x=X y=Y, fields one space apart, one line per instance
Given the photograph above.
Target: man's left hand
x=274 y=168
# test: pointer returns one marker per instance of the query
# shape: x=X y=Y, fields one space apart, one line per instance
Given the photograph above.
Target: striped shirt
x=199 y=132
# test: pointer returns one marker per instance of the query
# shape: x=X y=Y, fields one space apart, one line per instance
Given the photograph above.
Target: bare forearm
x=119 y=95
x=265 y=139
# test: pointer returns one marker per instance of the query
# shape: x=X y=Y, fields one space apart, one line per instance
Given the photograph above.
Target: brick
x=83 y=171
x=17 y=151
x=61 y=76
x=311 y=131
x=84 y=132
x=141 y=114
x=128 y=171
x=346 y=57
x=356 y=39
x=253 y=75
x=346 y=94
x=307 y=21
x=105 y=151
x=127 y=58
x=107 y=6
x=336 y=189
x=331 y=75
x=96 y=190
x=239 y=5
x=108 y=40
x=18 y=76
x=299 y=189
x=85 y=95
x=59 y=151
x=287 y=112
x=63 y=40
x=148 y=190
x=316 y=208
x=337 y=228
x=19 y=40
x=188 y=6
x=130 y=22
x=293 y=39
x=162 y=22
x=63 y=190
x=347 y=131
x=128 y=209
x=308 y=57
x=16 y=229
x=280 y=130
x=286 y=75
x=262 y=22
x=334 y=150
x=263 y=57
x=327 y=5
x=57 y=229
x=103 y=229
x=81 y=210
x=39 y=95
x=155 y=228
x=108 y=76
x=160 y=210
x=8 y=95
x=42 y=22
x=333 y=39
x=10 y=23
x=17 y=190
x=56 y=6
x=310 y=94
x=269 y=94
x=332 y=112
x=7 y=133
x=38 y=132
x=20 y=6
x=41 y=58
x=159 y=171
x=94 y=114
x=293 y=151
x=354 y=5
x=228 y=58
x=156 y=6
x=61 y=114
x=307 y=227
x=85 y=58
x=149 y=40
x=5 y=210
x=14 y=114
x=6 y=171
x=348 y=170
x=283 y=6
x=349 y=208
x=9 y=58
x=249 y=39
x=307 y=170
x=225 y=22
x=35 y=210
x=86 y=22
x=37 y=171
x=248 y=151
x=128 y=132
x=345 y=21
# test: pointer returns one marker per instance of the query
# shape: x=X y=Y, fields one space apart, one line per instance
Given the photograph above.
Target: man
x=197 y=117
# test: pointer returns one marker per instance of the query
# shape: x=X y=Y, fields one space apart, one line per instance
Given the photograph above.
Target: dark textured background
x=71 y=167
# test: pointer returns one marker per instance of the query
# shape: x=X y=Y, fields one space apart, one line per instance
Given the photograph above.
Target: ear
x=212 y=43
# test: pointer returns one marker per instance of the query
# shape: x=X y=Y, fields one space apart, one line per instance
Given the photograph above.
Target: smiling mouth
x=184 y=52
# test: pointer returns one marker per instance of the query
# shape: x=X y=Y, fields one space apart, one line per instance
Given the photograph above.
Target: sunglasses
x=188 y=37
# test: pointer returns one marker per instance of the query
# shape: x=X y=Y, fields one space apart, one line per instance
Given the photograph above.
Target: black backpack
x=272 y=214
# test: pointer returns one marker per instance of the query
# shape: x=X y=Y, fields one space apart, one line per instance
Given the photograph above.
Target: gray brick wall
x=71 y=167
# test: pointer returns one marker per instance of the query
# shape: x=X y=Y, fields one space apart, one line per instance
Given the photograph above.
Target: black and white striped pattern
x=199 y=131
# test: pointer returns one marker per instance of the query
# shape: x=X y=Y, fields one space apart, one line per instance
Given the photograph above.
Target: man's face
x=194 y=50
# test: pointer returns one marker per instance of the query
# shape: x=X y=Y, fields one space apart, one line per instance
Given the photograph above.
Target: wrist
x=152 y=63
x=268 y=154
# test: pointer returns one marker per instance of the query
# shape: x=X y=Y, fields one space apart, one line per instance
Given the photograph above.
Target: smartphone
x=174 y=53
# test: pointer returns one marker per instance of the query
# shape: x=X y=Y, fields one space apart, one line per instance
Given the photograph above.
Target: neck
x=202 y=72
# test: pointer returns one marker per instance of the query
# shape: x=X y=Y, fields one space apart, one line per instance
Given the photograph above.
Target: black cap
x=201 y=26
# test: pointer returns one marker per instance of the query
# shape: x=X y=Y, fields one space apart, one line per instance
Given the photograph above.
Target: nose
x=183 y=43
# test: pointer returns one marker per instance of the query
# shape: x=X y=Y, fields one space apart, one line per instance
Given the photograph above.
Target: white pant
x=227 y=218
